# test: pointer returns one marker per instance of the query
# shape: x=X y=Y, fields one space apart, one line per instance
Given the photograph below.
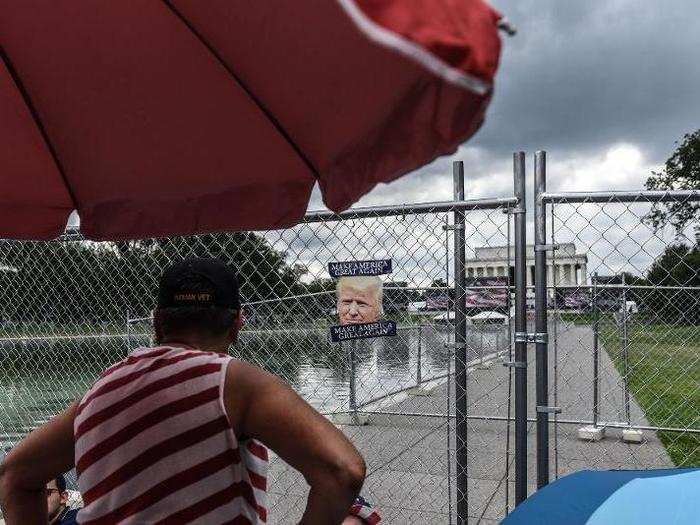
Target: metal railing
x=74 y=306
x=442 y=425
x=626 y=336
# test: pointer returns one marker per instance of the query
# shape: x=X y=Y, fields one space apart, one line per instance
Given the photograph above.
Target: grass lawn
x=664 y=378
x=586 y=318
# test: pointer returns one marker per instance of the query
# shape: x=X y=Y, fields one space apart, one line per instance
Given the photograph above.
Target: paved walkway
x=410 y=476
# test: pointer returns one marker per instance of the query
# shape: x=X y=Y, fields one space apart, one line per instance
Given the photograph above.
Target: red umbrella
x=156 y=118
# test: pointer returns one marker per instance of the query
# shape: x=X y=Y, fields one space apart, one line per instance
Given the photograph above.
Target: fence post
x=596 y=321
x=461 y=427
x=128 y=332
x=353 y=386
x=520 y=362
x=625 y=351
x=419 y=372
x=448 y=399
x=481 y=346
x=542 y=361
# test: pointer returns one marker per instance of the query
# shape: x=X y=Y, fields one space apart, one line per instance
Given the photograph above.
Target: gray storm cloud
x=579 y=80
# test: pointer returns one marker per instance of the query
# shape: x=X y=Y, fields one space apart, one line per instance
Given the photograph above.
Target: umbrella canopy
x=158 y=118
x=587 y=497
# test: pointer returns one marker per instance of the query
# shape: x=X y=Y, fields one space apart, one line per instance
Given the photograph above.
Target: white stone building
x=569 y=266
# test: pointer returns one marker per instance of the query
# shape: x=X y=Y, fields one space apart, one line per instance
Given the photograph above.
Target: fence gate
x=619 y=295
x=71 y=307
x=606 y=299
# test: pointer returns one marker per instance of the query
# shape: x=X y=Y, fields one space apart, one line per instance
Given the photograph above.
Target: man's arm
x=36 y=460
x=262 y=406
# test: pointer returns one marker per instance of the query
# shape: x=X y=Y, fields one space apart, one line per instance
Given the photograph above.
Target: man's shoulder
x=143 y=360
x=144 y=355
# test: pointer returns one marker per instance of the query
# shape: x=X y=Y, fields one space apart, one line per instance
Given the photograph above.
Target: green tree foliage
x=668 y=293
x=678 y=269
x=679 y=265
x=318 y=301
x=398 y=295
x=72 y=282
x=681 y=172
x=321 y=285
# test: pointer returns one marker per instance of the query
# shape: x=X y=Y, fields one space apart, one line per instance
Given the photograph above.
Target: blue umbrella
x=666 y=496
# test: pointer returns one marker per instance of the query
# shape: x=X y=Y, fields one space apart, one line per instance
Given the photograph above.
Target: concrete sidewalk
x=410 y=459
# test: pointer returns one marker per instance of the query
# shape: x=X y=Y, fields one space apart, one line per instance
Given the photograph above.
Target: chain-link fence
x=71 y=307
x=622 y=290
x=616 y=330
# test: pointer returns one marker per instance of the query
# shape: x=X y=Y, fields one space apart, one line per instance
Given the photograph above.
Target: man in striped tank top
x=173 y=434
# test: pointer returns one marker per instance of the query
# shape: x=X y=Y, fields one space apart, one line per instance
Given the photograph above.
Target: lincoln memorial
x=569 y=266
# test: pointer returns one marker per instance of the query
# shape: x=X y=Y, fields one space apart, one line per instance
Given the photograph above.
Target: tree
x=681 y=172
x=396 y=296
x=68 y=282
x=257 y=263
x=324 y=284
x=319 y=302
x=676 y=274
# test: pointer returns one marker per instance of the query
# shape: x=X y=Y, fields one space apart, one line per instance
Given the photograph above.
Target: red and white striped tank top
x=153 y=444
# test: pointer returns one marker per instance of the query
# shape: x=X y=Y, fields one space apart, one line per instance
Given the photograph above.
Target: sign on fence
x=363 y=331
x=359 y=294
x=357 y=268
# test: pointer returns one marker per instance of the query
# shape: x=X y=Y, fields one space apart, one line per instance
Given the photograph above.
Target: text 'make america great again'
x=363 y=331
x=357 y=268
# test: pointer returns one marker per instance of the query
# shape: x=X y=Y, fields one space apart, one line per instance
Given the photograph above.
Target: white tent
x=489 y=317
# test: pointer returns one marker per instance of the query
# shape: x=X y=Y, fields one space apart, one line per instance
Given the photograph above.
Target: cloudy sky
x=604 y=86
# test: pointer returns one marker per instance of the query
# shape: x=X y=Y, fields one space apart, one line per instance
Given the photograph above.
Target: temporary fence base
x=632 y=435
x=443 y=426
x=591 y=433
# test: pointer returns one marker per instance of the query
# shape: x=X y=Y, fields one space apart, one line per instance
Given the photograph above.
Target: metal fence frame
x=459 y=208
x=546 y=413
x=543 y=200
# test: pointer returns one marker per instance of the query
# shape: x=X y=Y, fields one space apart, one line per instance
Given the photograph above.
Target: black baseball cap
x=199 y=282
